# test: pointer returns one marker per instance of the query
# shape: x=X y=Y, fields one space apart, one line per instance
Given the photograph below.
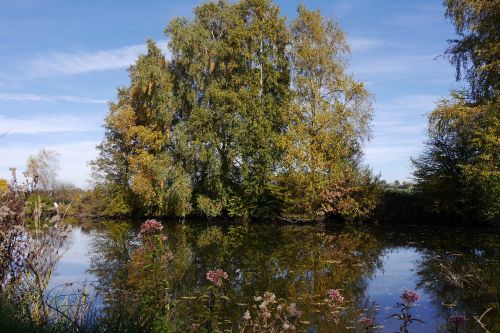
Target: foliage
x=208 y=207
x=136 y=155
x=475 y=53
x=251 y=117
x=458 y=174
x=4 y=186
x=328 y=118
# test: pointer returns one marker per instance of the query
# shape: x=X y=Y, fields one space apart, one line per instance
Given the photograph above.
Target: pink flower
x=409 y=297
x=335 y=296
x=366 y=322
x=150 y=227
x=216 y=277
x=457 y=320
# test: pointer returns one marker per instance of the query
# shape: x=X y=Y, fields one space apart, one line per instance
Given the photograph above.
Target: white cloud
x=359 y=43
x=412 y=103
x=49 y=124
x=386 y=154
x=16 y=97
x=77 y=63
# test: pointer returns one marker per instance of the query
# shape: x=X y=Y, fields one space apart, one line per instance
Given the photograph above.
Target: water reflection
x=370 y=266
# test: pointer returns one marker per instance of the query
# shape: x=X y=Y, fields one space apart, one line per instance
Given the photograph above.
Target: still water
x=455 y=271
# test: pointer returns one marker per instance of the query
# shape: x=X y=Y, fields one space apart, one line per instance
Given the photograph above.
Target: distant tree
x=41 y=169
x=458 y=175
x=4 y=186
x=476 y=53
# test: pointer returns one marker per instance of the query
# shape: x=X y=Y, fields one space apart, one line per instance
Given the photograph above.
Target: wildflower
x=335 y=296
x=247 y=316
x=366 y=322
x=457 y=320
x=270 y=297
x=293 y=312
x=169 y=255
x=195 y=327
x=286 y=326
x=216 y=277
x=257 y=298
x=409 y=297
x=150 y=227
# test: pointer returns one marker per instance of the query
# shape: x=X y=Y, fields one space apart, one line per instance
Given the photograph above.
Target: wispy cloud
x=20 y=97
x=359 y=43
x=411 y=103
x=377 y=154
x=78 y=63
x=48 y=124
x=384 y=65
x=74 y=158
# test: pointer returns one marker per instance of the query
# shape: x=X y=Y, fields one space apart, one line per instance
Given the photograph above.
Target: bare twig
x=479 y=320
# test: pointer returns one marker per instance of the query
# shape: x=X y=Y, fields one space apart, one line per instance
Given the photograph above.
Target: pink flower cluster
x=409 y=297
x=457 y=320
x=366 y=322
x=150 y=227
x=335 y=296
x=216 y=277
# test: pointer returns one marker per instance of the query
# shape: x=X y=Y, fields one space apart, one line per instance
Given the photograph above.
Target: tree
x=231 y=78
x=328 y=119
x=246 y=106
x=136 y=156
x=458 y=174
x=42 y=168
x=475 y=53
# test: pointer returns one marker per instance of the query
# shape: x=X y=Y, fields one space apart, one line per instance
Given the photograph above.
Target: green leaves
x=246 y=105
x=458 y=173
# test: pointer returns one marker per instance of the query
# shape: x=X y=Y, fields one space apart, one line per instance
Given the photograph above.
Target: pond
x=454 y=270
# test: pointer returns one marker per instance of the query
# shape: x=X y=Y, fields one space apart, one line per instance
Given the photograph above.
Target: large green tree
x=232 y=80
x=248 y=117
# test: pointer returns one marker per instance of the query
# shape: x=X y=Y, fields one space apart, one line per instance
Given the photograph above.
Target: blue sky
x=61 y=61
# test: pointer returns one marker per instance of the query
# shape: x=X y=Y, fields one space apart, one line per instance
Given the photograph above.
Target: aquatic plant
x=216 y=277
x=408 y=298
x=214 y=294
x=456 y=322
x=270 y=316
x=335 y=301
x=150 y=227
x=368 y=324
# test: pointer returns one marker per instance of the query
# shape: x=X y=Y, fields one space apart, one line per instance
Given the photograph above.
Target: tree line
x=257 y=116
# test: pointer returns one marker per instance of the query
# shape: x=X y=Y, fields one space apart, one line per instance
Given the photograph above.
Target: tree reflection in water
x=298 y=264
x=318 y=272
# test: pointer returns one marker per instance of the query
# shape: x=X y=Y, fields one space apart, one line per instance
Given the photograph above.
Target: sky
x=62 y=61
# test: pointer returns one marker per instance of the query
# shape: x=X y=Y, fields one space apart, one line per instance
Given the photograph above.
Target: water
x=455 y=270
